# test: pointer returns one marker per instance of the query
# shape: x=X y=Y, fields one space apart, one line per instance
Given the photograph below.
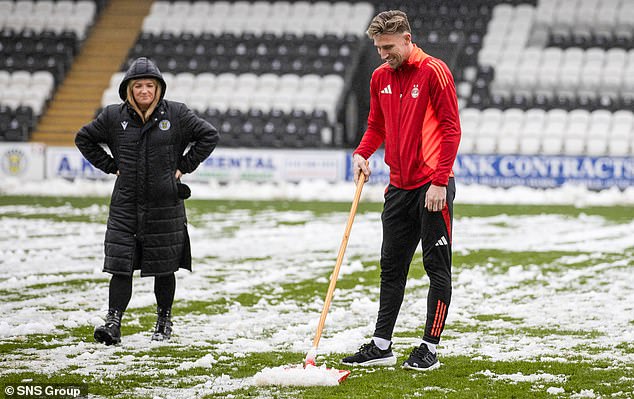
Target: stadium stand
x=288 y=62
x=532 y=76
x=38 y=43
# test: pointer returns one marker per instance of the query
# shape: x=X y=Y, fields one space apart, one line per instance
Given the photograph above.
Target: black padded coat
x=147 y=225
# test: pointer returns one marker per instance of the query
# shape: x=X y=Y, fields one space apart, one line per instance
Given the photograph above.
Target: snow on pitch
x=38 y=256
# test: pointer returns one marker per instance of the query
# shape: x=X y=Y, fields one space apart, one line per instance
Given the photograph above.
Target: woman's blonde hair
x=388 y=22
x=130 y=98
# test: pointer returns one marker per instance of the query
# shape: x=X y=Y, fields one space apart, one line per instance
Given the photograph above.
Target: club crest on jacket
x=415 y=91
x=164 y=124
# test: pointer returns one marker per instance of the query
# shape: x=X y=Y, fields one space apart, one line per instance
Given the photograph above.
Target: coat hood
x=142 y=67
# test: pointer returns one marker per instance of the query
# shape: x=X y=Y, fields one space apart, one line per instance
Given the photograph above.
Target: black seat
x=25 y=117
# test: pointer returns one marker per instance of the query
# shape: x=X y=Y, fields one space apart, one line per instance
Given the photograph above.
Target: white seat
x=241 y=8
x=469 y=120
x=488 y=128
x=152 y=25
x=332 y=82
x=557 y=115
x=222 y=8
x=225 y=80
x=241 y=100
x=508 y=144
x=268 y=81
x=534 y=115
x=622 y=123
x=110 y=96
x=175 y=26
x=284 y=100
x=590 y=78
x=197 y=101
x=77 y=23
x=116 y=79
x=574 y=145
x=180 y=9
x=6 y=7
x=195 y=25
x=504 y=78
x=611 y=80
x=184 y=81
x=467 y=144
x=606 y=16
x=261 y=8
x=36 y=104
x=281 y=9
x=23 y=8
x=623 y=115
x=86 y=8
x=515 y=115
x=510 y=128
x=205 y=81
x=161 y=8
x=247 y=81
x=327 y=104
x=579 y=116
x=600 y=122
x=310 y=82
x=20 y=78
x=5 y=78
x=551 y=145
x=177 y=94
x=528 y=76
x=491 y=115
x=594 y=54
x=300 y=9
x=16 y=22
x=569 y=77
x=289 y=81
x=485 y=145
x=262 y=100
x=304 y=102
x=596 y=146
x=44 y=7
x=529 y=143
x=168 y=77
x=619 y=147
x=321 y=9
x=218 y=102
x=64 y=7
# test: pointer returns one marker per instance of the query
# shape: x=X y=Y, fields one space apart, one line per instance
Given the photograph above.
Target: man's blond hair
x=388 y=22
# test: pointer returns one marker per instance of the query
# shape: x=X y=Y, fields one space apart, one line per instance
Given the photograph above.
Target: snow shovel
x=311 y=374
x=312 y=353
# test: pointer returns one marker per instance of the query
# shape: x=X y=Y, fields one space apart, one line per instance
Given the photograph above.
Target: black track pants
x=406 y=223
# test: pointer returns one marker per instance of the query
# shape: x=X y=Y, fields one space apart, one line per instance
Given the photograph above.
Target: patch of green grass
x=493 y=317
x=29 y=342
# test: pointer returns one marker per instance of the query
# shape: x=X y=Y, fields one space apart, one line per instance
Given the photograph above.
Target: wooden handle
x=342 y=250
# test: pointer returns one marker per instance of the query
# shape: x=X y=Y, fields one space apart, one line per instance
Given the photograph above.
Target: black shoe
x=421 y=359
x=371 y=355
x=110 y=333
x=163 y=327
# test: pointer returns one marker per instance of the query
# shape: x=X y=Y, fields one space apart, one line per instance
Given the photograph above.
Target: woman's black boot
x=163 y=328
x=110 y=333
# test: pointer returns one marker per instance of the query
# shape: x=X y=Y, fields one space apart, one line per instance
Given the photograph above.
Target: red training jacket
x=414 y=109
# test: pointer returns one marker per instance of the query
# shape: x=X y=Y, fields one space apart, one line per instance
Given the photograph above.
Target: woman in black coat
x=147 y=225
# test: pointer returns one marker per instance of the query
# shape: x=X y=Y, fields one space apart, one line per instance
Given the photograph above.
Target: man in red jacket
x=414 y=112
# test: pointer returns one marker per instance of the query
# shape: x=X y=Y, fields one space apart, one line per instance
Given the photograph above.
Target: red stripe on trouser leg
x=447 y=218
x=441 y=311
